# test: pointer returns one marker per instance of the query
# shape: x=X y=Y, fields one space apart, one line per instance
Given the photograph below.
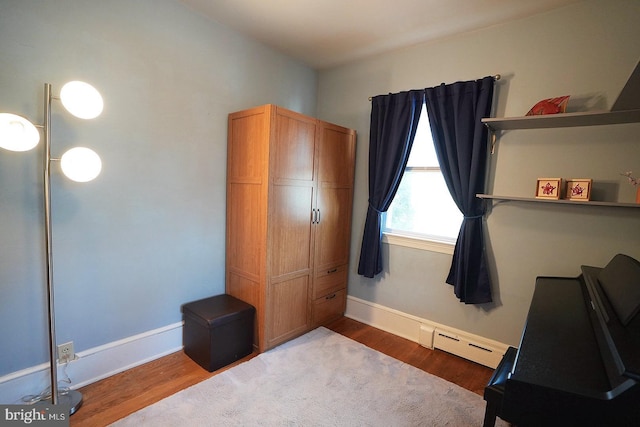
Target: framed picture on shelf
x=548 y=188
x=579 y=189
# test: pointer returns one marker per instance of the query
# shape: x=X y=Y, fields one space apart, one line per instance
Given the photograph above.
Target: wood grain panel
x=293 y=157
x=288 y=309
x=327 y=281
x=336 y=155
x=331 y=246
x=247 y=185
x=248 y=291
x=245 y=230
x=329 y=307
x=290 y=230
x=247 y=145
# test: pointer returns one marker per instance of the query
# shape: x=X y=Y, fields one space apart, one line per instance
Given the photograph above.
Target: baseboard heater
x=469 y=348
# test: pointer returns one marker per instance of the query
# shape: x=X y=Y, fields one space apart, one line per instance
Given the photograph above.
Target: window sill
x=418 y=243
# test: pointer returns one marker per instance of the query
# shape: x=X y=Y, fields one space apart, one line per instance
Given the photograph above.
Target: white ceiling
x=324 y=33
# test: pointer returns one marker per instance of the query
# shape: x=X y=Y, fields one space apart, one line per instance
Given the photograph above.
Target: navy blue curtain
x=455 y=112
x=394 y=121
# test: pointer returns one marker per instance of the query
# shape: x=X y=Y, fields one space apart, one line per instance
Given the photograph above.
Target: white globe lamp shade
x=17 y=133
x=81 y=99
x=81 y=164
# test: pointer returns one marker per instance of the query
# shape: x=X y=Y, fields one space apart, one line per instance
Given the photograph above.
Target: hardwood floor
x=113 y=398
x=466 y=374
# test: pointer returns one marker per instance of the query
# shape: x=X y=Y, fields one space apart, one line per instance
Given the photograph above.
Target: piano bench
x=494 y=390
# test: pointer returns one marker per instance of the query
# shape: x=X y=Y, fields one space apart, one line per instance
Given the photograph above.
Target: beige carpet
x=319 y=379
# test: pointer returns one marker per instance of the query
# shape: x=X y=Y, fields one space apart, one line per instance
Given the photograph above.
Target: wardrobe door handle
x=315 y=216
x=332 y=271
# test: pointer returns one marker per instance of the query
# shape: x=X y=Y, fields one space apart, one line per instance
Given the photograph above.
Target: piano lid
x=615 y=295
x=620 y=280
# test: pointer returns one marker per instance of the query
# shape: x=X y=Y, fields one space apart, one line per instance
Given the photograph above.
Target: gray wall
x=148 y=234
x=586 y=50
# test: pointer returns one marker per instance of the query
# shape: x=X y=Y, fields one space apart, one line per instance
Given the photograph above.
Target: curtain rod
x=496 y=78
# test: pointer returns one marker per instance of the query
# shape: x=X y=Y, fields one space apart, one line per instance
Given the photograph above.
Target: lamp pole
x=72 y=398
x=47 y=238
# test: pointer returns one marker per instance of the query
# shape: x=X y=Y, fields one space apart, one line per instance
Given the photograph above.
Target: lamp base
x=72 y=399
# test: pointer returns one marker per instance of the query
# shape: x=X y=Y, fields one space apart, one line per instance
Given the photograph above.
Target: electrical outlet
x=66 y=353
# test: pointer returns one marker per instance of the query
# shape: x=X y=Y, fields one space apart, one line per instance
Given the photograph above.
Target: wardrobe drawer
x=329 y=307
x=330 y=280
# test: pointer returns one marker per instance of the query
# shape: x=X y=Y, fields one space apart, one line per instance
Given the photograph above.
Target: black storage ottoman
x=217 y=331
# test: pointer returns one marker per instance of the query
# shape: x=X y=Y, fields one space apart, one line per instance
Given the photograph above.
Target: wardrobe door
x=291 y=236
x=336 y=160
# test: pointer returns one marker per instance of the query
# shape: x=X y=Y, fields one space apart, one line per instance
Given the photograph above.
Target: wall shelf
x=594 y=118
x=561 y=201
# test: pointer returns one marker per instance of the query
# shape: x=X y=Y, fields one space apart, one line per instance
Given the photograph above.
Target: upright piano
x=578 y=362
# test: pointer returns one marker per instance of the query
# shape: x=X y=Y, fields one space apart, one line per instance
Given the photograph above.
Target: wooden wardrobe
x=289 y=203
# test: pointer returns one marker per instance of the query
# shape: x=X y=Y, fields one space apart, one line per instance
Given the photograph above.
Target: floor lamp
x=79 y=164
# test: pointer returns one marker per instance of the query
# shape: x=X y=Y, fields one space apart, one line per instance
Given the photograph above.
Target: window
x=423 y=208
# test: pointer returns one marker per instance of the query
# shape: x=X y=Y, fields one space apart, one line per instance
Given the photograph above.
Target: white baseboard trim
x=427 y=333
x=104 y=361
x=94 y=364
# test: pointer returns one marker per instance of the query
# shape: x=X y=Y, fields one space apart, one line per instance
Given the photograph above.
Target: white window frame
x=415 y=242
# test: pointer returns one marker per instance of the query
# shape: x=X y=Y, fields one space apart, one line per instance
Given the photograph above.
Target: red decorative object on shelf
x=549 y=106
